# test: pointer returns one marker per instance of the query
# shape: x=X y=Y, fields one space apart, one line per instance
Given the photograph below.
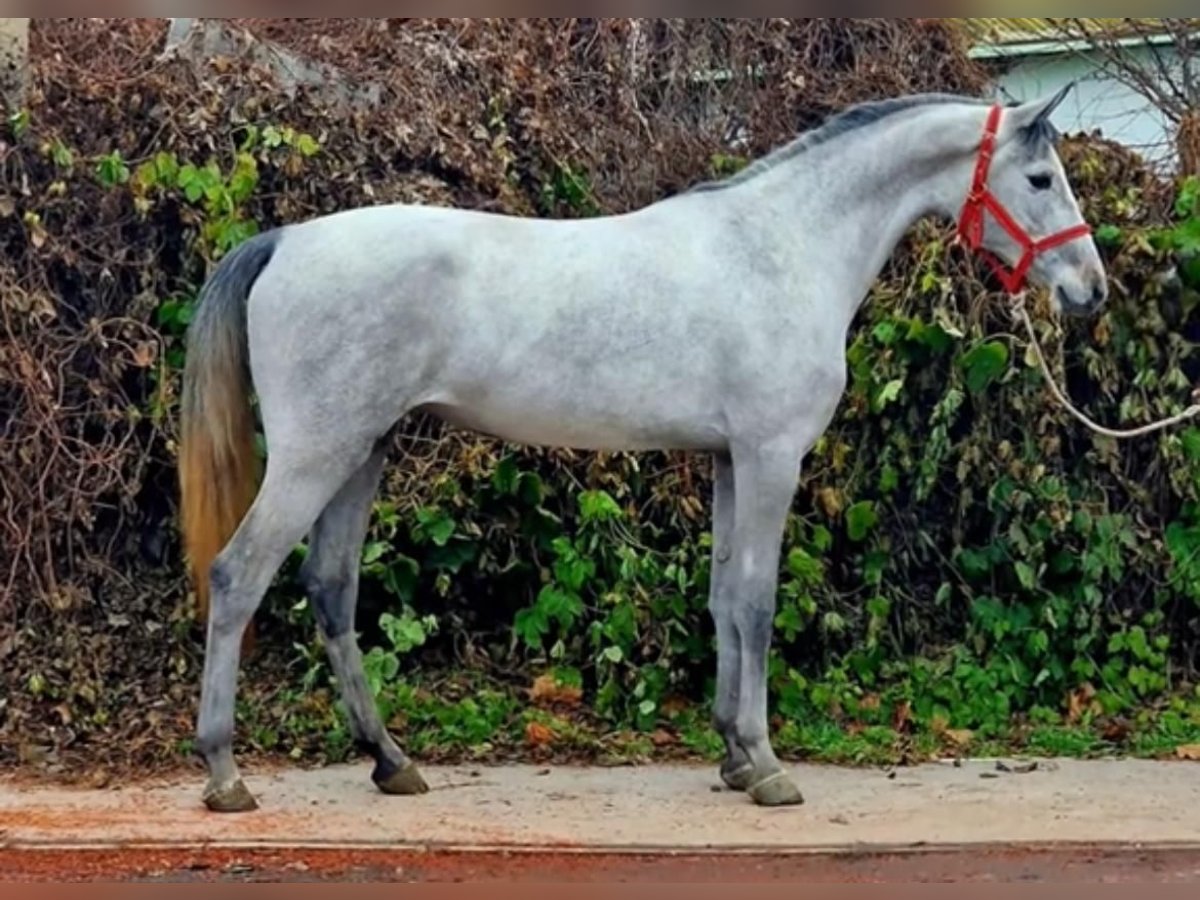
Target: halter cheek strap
x=982 y=201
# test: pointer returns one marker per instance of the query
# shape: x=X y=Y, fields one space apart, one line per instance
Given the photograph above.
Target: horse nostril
x=1099 y=291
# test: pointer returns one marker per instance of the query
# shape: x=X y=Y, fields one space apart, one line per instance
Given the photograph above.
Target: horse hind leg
x=331 y=575
x=295 y=489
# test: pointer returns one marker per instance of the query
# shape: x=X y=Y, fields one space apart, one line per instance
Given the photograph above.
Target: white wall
x=1099 y=101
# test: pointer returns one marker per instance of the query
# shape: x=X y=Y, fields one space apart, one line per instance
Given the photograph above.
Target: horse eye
x=1041 y=182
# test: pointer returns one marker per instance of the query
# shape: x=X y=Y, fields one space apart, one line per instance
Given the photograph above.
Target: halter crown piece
x=982 y=201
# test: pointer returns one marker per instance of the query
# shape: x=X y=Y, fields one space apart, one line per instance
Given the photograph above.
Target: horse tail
x=219 y=469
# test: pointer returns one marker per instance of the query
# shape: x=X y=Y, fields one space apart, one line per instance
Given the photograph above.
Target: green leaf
x=227 y=234
x=374 y=552
x=1186 y=237
x=984 y=364
x=62 y=155
x=188 y=175
x=531 y=489
x=19 y=123
x=244 y=178
x=1183 y=541
x=175 y=315
x=112 y=170
x=406 y=633
x=532 y=626
x=166 y=169
x=1109 y=236
x=1191 y=443
x=199 y=184
x=726 y=164
x=888 y=394
x=598 y=506
x=822 y=539
x=573 y=571
x=885 y=332
x=504 y=479
x=879 y=608
x=834 y=623
x=435 y=525
x=146 y=176
x=191 y=183
x=933 y=336
x=1187 y=204
x=975 y=563
x=804 y=567
x=307 y=145
x=614 y=655
x=889 y=479
x=400 y=578
x=789 y=621
x=381 y=668
x=861 y=519
x=875 y=565
x=1026 y=575
x=1189 y=272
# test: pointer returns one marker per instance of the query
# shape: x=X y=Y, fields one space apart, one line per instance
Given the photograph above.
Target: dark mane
x=852 y=119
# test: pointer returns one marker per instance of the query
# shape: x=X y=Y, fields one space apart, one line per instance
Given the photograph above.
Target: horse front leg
x=736 y=771
x=765 y=479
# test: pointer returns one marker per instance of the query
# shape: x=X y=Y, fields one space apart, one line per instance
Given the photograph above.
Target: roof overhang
x=1054 y=46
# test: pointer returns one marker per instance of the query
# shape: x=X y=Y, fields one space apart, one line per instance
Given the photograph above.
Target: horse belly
x=539 y=425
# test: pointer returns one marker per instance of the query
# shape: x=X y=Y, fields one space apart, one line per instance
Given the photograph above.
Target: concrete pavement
x=632 y=811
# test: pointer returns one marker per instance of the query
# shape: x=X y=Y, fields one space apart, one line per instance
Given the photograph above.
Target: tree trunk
x=1187 y=143
x=14 y=58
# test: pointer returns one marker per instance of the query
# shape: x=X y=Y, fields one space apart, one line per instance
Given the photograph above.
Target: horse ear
x=1037 y=112
x=1034 y=117
x=1050 y=105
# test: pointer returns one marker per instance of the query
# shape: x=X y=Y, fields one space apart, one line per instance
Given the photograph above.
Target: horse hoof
x=738 y=778
x=406 y=782
x=776 y=791
x=230 y=798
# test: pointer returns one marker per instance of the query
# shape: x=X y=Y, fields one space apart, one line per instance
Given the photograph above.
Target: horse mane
x=849 y=120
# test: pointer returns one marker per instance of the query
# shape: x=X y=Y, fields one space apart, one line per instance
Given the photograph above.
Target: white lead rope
x=1023 y=314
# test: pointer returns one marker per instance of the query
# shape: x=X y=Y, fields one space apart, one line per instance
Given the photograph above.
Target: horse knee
x=755 y=621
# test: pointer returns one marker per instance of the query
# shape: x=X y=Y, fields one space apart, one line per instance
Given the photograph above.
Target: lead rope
x=1019 y=308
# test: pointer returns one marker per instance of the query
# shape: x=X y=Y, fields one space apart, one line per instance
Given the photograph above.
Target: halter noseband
x=981 y=201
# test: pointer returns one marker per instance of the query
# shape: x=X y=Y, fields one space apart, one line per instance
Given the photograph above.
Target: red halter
x=981 y=200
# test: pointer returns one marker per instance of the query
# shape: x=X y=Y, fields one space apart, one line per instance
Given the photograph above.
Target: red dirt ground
x=384 y=866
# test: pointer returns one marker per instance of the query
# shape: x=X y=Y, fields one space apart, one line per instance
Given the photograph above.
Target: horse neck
x=844 y=206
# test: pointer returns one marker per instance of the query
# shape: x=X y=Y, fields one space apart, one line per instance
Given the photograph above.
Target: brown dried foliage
x=480 y=113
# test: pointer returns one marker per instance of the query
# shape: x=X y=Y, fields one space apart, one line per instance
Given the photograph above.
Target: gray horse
x=714 y=321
